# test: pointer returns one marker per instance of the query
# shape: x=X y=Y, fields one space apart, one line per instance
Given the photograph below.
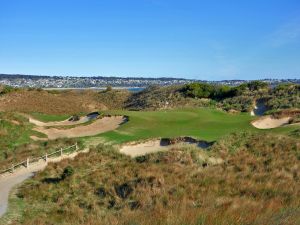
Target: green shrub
x=6 y=89
x=68 y=171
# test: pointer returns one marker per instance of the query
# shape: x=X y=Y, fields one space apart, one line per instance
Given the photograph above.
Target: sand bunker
x=134 y=150
x=138 y=149
x=98 y=126
x=268 y=122
x=66 y=122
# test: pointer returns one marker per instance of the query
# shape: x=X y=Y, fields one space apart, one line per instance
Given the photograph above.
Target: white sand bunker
x=139 y=149
x=134 y=150
x=268 y=122
x=98 y=126
x=67 y=122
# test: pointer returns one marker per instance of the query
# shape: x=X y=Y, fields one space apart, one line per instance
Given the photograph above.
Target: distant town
x=36 y=81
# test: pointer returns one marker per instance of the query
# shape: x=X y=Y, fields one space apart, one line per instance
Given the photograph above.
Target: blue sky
x=202 y=39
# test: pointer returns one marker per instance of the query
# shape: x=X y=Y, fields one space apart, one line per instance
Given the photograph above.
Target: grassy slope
x=16 y=144
x=13 y=134
x=202 y=123
x=49 y=118
x=258 y=184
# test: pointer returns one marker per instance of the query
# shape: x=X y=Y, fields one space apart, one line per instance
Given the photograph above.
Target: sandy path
x=267 y=122
x=98 y=126
x=5 y=187
x=8 y=181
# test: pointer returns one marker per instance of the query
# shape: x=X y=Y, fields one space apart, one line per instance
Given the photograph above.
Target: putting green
x=202 y=123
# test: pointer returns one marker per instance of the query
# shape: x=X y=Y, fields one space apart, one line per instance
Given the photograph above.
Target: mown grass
x=258 y=183
x=202 y=123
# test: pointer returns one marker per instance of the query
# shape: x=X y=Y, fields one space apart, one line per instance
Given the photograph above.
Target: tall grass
x=258 y=183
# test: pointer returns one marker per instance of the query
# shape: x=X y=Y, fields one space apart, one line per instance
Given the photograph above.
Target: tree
x=198 y=90
x=257 y=85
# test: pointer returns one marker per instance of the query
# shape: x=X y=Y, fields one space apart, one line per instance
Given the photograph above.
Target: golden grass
x=64 y=102
x=258 y=183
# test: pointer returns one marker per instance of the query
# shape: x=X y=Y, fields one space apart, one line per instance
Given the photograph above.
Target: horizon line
x=139 y=77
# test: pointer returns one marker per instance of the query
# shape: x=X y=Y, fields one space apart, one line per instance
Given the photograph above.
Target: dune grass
x=258 y=184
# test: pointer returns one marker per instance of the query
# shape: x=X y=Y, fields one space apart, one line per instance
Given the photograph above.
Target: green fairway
x=201 y=123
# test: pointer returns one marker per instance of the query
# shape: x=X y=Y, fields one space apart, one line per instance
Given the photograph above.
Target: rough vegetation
x=50 y=102
x=155 y=98
x=15 y=142
x=258 y=183
x=239 y=98
x=284 y=96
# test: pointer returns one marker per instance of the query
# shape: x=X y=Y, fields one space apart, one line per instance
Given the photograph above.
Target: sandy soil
x=98 y=126
x=8 y=181
x=267 y=122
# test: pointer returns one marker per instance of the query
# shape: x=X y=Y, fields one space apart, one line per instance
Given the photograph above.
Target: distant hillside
x=20 y=80
x=240 y=98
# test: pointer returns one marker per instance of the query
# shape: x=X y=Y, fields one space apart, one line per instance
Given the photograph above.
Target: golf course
x=201 y=123
x=212 y=153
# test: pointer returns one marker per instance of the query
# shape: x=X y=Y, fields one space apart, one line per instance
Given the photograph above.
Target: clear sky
x=202 y=39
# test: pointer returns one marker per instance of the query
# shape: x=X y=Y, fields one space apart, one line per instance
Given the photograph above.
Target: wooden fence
x=28 y=161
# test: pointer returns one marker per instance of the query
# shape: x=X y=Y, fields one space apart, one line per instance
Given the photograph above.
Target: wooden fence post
x=27 y=163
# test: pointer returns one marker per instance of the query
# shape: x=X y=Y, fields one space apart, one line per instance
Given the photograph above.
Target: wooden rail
x=28 y=161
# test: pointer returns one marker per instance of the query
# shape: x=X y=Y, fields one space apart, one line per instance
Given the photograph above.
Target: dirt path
x=8 y=181
x=98 y=126
x=5 y=187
